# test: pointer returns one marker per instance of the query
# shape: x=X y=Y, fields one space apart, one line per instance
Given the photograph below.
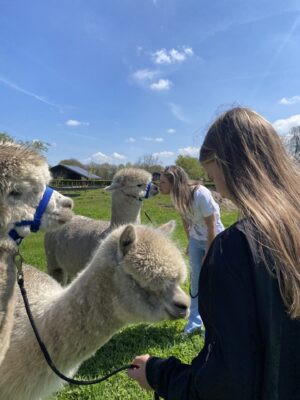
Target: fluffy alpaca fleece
x=70 y=249
x=133 y=277
x=23 y=177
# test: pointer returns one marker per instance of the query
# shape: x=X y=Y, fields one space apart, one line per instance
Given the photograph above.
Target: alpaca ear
x=113 y=186
x=168 y=228
x=127 y=239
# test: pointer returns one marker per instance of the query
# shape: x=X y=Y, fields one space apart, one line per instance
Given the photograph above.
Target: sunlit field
x=161 y=339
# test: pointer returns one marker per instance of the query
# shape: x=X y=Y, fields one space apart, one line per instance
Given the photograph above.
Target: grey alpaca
x=24 y=175
x=69 y=249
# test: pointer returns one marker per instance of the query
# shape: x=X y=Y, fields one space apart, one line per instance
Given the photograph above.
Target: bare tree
x=291 y=142
x=150 y=163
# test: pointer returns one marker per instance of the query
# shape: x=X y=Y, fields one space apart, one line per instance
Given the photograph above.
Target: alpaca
x=69 y=249
x=133 y=277
x=23 y=178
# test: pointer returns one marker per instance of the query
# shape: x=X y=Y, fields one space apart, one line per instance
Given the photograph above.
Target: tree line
x=148 y=162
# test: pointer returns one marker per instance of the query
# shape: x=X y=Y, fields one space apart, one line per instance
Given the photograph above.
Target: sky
x=115 y=80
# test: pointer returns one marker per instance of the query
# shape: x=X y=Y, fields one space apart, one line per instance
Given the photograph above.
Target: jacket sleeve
x=225 y=367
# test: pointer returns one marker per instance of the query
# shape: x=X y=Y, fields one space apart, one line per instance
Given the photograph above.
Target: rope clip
x=19 y=262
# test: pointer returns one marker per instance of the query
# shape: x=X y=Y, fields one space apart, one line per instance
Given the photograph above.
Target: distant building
x=62 y=171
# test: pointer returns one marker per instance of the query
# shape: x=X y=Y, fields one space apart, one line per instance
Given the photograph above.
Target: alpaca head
x=148 y=275
x=133 y=182
x=24 y=175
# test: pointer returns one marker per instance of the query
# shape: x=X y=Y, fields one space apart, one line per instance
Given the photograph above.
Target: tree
x=291 y=142
x=5 y=137
x=191 y=166
x=35 y=144
x=105 y=171
x=150 y=163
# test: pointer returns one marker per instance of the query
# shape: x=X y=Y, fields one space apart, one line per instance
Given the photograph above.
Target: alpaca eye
x=15 y=193
x=140 y=185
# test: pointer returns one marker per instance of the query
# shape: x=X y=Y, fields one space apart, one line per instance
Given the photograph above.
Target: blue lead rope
x=36 y=223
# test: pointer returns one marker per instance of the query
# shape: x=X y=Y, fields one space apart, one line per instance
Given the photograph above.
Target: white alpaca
x=23 y=178
x=69 y=249
x=133 y=277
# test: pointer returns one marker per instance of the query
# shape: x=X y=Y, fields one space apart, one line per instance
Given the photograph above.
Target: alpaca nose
x=180 y=304
x=181 y=309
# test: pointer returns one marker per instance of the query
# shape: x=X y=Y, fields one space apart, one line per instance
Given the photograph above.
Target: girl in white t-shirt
x=201 y=220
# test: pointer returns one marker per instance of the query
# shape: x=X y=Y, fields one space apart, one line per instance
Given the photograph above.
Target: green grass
x=161 y=339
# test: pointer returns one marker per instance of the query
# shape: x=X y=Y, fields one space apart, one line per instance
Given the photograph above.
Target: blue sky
x=113 y=80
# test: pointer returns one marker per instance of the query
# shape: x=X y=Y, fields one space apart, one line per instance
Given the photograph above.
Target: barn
x=62 y=171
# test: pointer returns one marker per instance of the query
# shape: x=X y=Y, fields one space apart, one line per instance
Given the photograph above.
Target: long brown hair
x=264 y=182
x=182 y=190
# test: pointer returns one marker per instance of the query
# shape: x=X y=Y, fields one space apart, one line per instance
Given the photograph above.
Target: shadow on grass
x=132 y=341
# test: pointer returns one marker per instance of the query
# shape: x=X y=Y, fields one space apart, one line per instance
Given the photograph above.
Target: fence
x=84 y=184
x=79 y=184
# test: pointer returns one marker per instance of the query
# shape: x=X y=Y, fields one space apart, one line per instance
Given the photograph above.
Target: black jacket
x=252 y=347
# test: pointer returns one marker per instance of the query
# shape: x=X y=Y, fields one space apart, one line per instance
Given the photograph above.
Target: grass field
x=161 y=339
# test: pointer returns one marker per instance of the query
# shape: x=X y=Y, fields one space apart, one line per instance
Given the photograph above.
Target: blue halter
x=35 y=224
x=148 y=188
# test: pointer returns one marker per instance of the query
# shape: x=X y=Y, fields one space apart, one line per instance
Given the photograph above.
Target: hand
x=139 y=373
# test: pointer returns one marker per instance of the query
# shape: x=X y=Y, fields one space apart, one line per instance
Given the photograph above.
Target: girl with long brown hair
x=250 y=280
x=201 y=220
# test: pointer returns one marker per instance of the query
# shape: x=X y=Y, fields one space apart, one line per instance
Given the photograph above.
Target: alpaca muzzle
x=36 y=222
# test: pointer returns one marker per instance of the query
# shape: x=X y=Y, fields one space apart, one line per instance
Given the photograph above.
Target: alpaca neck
x=7 y=244
x=8 y=250
x=124 y=209
x=86 y=313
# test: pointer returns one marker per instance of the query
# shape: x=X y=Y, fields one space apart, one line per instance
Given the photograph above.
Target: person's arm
x=186 y=227
x=225 y=368
x=187 y=231
x=210 y=223
x=205 y=209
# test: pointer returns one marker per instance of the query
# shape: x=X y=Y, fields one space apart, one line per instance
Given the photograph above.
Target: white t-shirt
x=204 y=205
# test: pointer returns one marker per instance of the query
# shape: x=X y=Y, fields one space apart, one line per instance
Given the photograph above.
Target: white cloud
x=188 y=51
x=130 y=140
x=153 y=139
x=176 y=55
x=176 y=110
x=100 y=157
x=166 y=57
x=189 y=151
x=171 y=130
x=74 y=122
x=161 y=57
x=164 y=154
x=118 y=156
x=290 y=100
x=143 y=75
x=162 y=84
x=283 y=126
